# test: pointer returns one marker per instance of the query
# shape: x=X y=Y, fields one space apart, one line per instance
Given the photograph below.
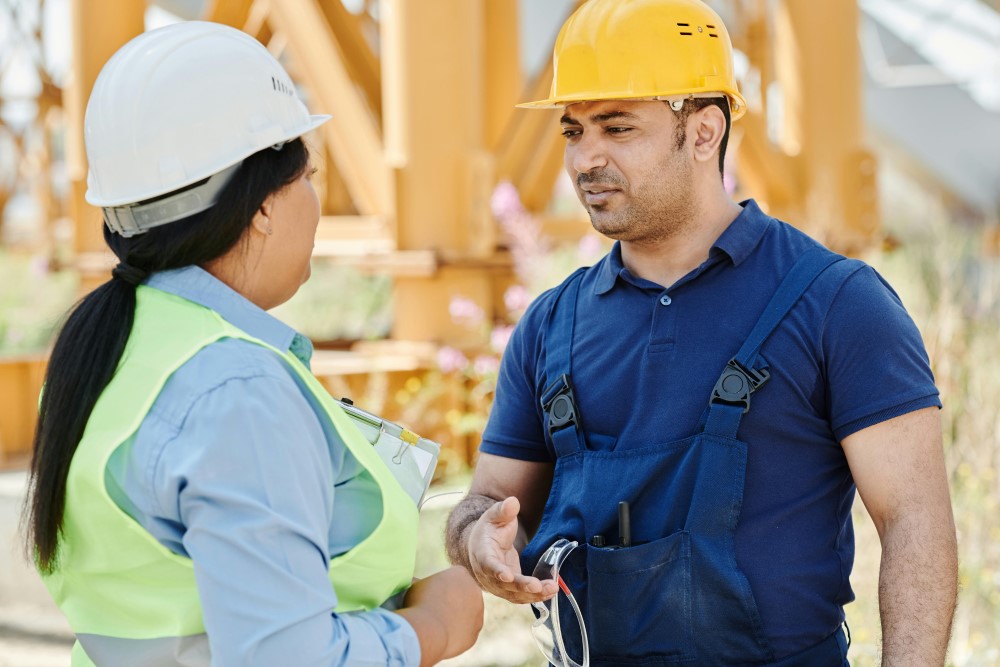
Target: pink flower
x=486 y=365
x=499 y=338
x=506 y=202
x=466 y=311
x=39 y=266
x=589 y=247
x=516 y=298
x=729 y=182
x=450 y=360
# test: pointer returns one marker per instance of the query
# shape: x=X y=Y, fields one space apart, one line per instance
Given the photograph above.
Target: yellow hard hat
x=642 y=49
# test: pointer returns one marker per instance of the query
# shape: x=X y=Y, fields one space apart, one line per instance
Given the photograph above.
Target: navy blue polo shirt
x=645 y=360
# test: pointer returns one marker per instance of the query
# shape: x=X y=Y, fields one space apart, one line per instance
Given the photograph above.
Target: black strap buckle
x=559 y=403
x=737 y=383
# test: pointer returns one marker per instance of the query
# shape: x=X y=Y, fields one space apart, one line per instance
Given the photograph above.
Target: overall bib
x=676 y=595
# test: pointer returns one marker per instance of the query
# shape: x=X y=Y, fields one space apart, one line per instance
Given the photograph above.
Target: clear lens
x=559 y=630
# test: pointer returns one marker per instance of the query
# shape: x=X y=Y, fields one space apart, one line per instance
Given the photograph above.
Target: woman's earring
x=269 y=231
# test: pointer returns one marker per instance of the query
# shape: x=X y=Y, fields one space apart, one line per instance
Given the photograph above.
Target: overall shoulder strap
x=730 y=398
x=557 y=397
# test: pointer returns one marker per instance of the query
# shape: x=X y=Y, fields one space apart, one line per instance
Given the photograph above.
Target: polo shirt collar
x=195 y=284
x=744 y=233
x=611 y=267
x=737 y=242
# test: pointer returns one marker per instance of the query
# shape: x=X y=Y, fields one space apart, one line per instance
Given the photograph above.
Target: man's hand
x=488 y=529
x=494 y=559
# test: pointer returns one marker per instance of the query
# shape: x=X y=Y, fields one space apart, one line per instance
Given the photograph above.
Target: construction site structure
x=422 y=95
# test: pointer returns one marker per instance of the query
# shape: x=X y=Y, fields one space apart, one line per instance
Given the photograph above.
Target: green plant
x=33 y=301
x=952 y=290
x=340 y=303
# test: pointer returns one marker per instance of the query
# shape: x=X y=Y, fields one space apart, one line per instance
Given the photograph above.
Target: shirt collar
x=737 y=242
x=195 y=284
x=611 y=267
x=744 y=233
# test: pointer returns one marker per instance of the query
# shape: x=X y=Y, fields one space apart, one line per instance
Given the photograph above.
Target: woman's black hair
x=90 y=345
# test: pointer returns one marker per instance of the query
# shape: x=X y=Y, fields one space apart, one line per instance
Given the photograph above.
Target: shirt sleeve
x=256 y=498
x=876 y=364
x=515 y=426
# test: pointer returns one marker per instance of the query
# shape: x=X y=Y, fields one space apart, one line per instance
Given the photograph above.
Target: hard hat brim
x=314 y=121
x=737 y=105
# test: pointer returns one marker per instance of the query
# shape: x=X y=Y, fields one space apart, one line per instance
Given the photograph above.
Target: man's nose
x=587 y=154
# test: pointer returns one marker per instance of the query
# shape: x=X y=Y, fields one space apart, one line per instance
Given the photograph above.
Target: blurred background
x=874 y=125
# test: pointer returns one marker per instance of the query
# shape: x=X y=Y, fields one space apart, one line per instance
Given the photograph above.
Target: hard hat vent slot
x=684 y=25
x=686 y=33
x=708 y=25
x=712 y=34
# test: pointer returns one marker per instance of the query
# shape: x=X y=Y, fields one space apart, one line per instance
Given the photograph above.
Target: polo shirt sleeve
x=514 y=429
x=876 y=364
x=251 y=475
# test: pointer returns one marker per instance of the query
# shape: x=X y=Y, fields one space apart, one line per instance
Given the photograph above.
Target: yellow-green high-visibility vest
x=130 y=600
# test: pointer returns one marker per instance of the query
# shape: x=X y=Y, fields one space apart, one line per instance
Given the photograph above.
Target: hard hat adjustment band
x=132 y=219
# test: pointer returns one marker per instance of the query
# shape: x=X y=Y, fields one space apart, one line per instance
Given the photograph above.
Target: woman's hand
x=446 y=611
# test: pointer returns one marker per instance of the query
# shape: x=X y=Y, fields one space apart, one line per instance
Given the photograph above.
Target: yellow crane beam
x=354 y=138
x=817 y=172
x=99 y=29
x=434 y=66
x=361 y=61
x=233 y=13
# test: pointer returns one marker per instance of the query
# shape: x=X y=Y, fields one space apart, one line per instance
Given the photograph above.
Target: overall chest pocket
x=639 y=603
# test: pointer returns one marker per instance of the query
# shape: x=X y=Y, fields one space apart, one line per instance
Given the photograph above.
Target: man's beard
x=651 y=214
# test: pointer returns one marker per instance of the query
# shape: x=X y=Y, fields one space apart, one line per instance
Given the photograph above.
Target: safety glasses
x=561 y=639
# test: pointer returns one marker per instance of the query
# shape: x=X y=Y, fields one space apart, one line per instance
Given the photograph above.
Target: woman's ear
x=262 y=218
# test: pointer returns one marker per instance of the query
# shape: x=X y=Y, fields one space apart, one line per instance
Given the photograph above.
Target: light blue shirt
x=236 y=468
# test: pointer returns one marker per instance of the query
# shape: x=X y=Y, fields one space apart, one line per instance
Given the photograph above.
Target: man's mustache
x=602 y=177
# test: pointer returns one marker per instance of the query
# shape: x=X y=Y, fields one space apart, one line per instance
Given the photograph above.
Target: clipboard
x=410 y=458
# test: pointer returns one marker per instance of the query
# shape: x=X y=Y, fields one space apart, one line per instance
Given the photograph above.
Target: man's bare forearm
x=460 y=522
x=918 y=585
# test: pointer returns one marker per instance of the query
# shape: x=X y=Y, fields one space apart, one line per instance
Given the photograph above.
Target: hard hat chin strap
x=132 y=219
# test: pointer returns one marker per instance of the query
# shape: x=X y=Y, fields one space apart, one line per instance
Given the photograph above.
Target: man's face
x=630 y=174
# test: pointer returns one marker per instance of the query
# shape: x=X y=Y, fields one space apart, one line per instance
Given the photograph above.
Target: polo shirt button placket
x=665 y=300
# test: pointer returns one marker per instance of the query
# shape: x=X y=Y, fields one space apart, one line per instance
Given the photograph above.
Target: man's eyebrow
x=601 y=117
x=613 y=115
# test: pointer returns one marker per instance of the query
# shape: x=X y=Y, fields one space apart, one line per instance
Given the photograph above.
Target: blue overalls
x=676 y=595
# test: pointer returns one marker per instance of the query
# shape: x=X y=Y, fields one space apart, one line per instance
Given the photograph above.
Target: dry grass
x=952 y=290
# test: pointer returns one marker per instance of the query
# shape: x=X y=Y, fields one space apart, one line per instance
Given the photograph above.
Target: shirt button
x=665 y=300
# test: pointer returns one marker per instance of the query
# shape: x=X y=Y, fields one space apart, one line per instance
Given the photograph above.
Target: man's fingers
x=494 y=567
x=525 y=589
x=492 y=572
x=504 y=512
x=520 y=591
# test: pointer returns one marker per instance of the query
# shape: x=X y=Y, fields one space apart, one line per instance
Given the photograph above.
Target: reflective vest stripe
x=191 y=651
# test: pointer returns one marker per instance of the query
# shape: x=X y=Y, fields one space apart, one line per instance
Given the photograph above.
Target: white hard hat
x=175 y=106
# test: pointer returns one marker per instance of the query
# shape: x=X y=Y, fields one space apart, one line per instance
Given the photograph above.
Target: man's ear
x=262 y=218
x=709 y=129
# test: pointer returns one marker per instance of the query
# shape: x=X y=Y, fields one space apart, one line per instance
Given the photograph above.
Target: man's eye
x=619 y=130
x=569 y=133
